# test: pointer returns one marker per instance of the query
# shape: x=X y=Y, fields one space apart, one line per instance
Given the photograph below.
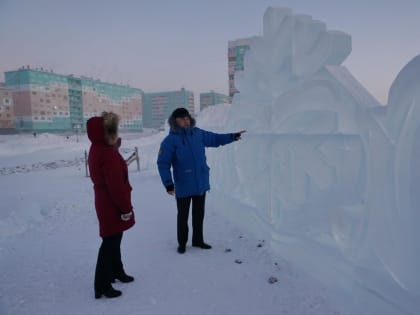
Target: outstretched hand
x=239 y=134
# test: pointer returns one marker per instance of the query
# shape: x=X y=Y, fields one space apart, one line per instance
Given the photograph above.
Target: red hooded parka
x=109 y=175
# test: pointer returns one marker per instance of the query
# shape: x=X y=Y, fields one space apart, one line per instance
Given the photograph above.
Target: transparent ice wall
x=325 y=173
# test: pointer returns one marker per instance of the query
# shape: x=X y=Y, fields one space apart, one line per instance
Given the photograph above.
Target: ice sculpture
x=328 y=174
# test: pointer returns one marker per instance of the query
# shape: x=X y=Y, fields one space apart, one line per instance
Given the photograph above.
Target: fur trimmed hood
x=103 y=129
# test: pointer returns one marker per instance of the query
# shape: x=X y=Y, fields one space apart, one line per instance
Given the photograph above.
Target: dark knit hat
x=180 y=113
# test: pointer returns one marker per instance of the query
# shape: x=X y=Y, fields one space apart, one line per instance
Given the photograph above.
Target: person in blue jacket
x=183 y=149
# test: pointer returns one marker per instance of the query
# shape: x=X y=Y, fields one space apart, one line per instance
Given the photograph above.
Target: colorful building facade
x=158 y=106
x=46 y=101
x=212 y=98
x=236 y=52
x=7 y=117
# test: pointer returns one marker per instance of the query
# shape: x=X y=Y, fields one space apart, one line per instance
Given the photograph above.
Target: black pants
x=109 y=263
x=183 y=205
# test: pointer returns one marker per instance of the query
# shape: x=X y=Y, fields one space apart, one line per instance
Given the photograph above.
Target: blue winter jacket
x=184 y=150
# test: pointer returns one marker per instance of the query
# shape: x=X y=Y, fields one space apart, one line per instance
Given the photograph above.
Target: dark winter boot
x=202 y=245
x=123 y=277
x=181 y=249
x=110 y=292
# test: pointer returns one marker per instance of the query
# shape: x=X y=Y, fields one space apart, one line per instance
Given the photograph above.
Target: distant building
x=212 y=98
x=7 y=117
x=46 y=101
x=158 y=106
x=236 y=52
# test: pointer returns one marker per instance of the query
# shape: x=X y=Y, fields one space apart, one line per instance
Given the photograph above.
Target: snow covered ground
x=49 y=242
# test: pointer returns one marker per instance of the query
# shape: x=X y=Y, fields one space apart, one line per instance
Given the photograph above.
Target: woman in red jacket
x=109 y=175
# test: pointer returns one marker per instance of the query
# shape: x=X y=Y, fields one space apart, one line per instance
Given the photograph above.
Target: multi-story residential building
x=46 y=101
x=7 y=117
x=158 y=106
x=236 y=52
x=212 y=98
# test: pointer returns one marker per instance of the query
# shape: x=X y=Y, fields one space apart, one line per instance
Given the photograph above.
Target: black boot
x=202 y=245
x=110 y=292
x=123 y=277
x=181 y=249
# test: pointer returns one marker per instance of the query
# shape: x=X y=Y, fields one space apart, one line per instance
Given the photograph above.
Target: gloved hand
x=170 y=189
x=238 y=135
x=126 y=216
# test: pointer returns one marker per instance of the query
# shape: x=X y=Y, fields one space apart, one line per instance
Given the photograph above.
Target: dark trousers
x=183 y=205
x=109 y=263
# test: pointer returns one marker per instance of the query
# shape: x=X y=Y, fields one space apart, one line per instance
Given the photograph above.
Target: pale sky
x=159 y=45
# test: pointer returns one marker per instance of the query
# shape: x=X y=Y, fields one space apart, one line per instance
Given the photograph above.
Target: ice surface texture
x=328 y=173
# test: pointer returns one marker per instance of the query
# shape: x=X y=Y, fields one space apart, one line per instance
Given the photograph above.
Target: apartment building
x=158 y=106
x=46 y=101
x=236 y=52
x=212 y=98
x=7 y=117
